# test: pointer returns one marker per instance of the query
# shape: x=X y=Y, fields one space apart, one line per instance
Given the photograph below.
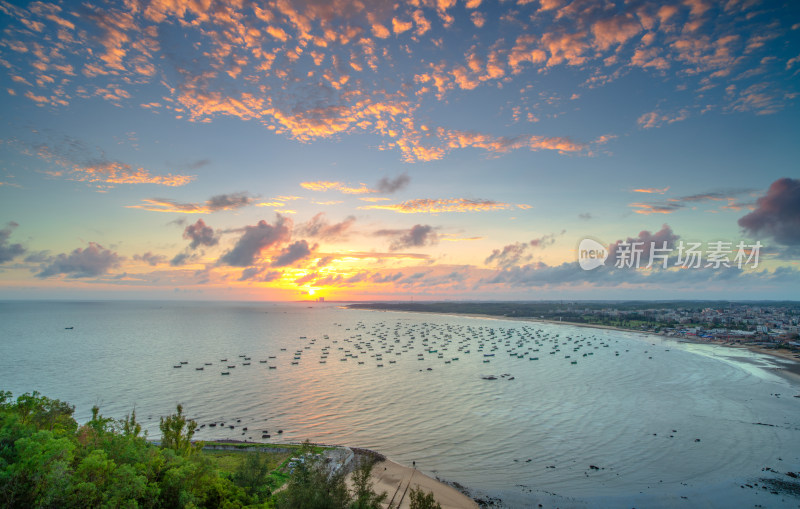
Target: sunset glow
x=291 y=150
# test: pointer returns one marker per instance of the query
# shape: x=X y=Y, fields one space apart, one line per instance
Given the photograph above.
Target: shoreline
x=387 y=476
x=789 y=368
x=398 y=480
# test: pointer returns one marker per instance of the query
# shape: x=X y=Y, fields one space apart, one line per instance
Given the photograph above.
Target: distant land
x=756 y=321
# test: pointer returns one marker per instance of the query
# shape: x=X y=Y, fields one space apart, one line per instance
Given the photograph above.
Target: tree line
x=48 y=460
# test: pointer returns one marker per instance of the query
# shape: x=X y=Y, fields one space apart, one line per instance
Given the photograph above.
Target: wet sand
x=397 y=481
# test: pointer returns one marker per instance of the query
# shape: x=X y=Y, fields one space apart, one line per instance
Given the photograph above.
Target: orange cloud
x=616 y=30
x=430 y=206
x=324 y=185
x=113 y=172
x=652 y=190
x=214 y=204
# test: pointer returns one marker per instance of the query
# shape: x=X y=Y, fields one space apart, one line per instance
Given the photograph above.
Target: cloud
x=216 y=203
x=657 y=119
x=308 y=278
x=324 y=185
x=182 y=259
x=200 y=234
x=9 y=251
x=545 y=240
x=293 y=253
x=319 y=227
x=255 y=239
x=259 y=274
x=510 y=255
x=647 y=240
x=517 y=253
x=433 y=206
x=651 y=190
x=313 y=69
x=388 y=186
x=87 y=164
x=92 y=261
x=115 y=172
x=655 y=208
x=150 y=258
x=674 y=204
x=418 y=236
x=777 y=213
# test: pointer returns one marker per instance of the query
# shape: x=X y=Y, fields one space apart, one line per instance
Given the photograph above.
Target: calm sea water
x=659 y=419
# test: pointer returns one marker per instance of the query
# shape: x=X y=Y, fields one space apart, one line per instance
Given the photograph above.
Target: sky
x=420 y=149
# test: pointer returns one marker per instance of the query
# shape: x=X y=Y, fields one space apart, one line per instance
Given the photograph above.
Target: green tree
x=252 y=474
x=363 y=493
x=177 y=433
x=45 y=413
x=313 y=486
x=421 y=500
x=42 y=473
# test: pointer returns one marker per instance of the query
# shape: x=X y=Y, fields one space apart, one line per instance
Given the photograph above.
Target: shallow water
x=659 y=419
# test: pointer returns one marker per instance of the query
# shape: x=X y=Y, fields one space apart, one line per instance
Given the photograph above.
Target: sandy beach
x=397 y=481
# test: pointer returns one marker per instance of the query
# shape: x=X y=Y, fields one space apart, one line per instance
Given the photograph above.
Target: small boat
x=69 y=328
x=199 y=369
x=273 y=367
x=231 y=367
x=177 y=366
x=226 y=372
x=245 y=364
x=208 y=364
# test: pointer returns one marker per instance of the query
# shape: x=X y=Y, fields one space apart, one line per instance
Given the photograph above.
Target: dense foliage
x=48 y=460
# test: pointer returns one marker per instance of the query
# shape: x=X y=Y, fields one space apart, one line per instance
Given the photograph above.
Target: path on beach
x=397 y=481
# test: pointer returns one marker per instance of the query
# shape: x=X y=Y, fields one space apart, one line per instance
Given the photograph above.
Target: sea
x=520 y=413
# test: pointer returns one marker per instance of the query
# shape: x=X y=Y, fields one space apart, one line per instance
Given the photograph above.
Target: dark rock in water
x=280 y=431
x=792 y=474
x=264 y=436
x=244 y=429
x=594 y=467
x=696 y=439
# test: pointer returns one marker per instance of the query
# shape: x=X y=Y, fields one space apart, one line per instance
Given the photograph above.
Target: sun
x=311 y=291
